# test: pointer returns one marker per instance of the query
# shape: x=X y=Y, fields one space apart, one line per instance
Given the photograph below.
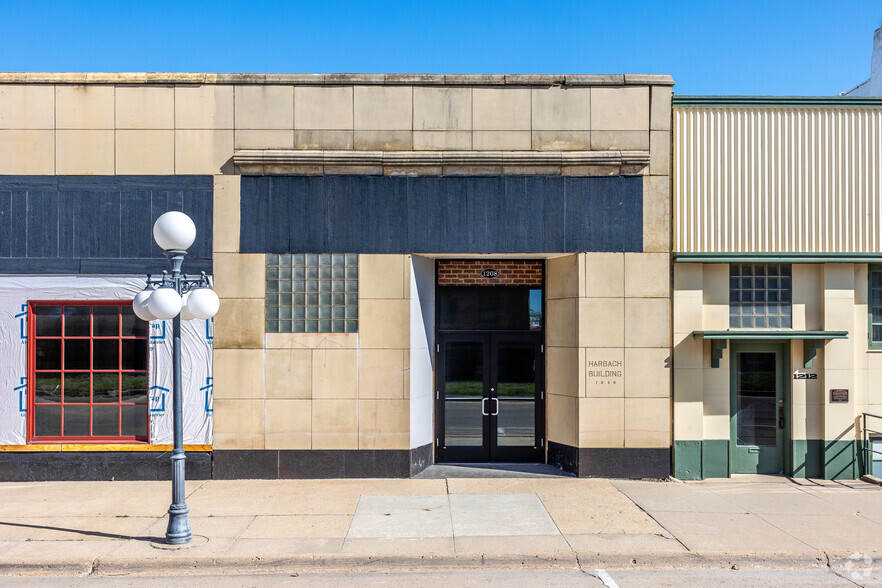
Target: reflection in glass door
x=491 y=397
x=758 y=414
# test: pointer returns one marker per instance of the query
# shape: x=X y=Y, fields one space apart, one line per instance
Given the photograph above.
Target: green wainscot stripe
x=827 y=460
x=687 y=460
x=778 y=101
x=697 y=460
x=715 y=458
x=808 y=458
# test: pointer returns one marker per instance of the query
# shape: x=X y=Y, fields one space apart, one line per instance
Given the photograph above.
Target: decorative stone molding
x=299 y=161
x=338 y=79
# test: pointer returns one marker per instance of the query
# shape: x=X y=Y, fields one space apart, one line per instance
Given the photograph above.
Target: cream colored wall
x=831 y=297
x=104 y=129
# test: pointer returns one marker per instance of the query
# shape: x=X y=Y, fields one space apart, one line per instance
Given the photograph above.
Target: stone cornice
x=280 y=161
x=338 y=79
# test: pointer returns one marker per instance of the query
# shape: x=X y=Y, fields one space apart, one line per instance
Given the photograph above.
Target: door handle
x=496 y=400
x=780 y=417
x=483 y=406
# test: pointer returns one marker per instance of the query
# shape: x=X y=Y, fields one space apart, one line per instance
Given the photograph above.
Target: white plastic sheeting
x=196 y=336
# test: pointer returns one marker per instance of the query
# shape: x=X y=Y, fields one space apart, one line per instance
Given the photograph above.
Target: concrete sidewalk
x=116 y=527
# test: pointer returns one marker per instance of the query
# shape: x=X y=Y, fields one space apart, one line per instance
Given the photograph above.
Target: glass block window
x=876 y=307
x=312 y=293
x=88 y=372
x=760 y=295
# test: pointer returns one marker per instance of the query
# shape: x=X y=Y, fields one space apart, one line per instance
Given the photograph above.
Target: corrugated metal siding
x=777 y=180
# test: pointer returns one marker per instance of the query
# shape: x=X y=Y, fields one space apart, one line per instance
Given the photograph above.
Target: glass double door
x=490 y=395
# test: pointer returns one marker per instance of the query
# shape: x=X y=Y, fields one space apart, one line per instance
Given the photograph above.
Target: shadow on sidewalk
x=81 y=532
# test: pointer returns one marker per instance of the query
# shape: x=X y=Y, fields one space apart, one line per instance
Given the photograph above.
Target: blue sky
x=776 y=47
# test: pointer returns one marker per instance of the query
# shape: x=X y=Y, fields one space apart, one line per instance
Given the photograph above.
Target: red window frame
x=32 y=371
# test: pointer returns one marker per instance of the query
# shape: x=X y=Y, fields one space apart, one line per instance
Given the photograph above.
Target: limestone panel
x=689 y=352
x=442 y=109
x=501 y=109
x=145 y=152
x=660 y=109
x=620 y=109
x=226 y=214
x=647 y=373
x=26 y=152
x=27 y=107
x=311 y=340
x=264 y=139
x=660 y=152
x=604 y=275
x=335 y=423
x=145 y=107
x=382 y=373
x=562 y=277
x=601 y=422
x=204 y=107
x=239 y=324
x=501 y=140
x=647 y=275
x=288 y=373
x=384 y=324
x=383 y=108
x=288 y=424
x=323 y=108
x=562 y=373
x=335 y=373
x=84 y=107
x=647 y=422
x=441 y=140
x=86 y=152
x=562 y=417
x=656 y=213
x=384 y=424
x=561 y=322
x=384 y=140
x=807 y=421
x=602 y=322
x=561 y=109
x=264 y=107
x=238 y=373
x=606 y=372
x=647 y=322
x=688 y=421
x=203 y=151
x=238 y=424
x=620 y=140
x=240 y=275
x=561 y=140
x=323 y=139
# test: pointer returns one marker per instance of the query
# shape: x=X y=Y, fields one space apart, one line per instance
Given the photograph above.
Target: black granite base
x=611 y=462
x=16 y=466
x=272 y=464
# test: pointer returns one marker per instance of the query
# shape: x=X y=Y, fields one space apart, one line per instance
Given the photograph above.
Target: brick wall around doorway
x=471 y=272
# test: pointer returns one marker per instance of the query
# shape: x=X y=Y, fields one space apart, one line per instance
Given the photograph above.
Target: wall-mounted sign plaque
x=838 y=395
x=490 y=273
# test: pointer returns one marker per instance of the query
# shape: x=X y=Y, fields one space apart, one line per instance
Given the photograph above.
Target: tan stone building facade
x=336 y=202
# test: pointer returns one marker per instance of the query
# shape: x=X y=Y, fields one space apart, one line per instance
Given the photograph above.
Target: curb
x=221 y=564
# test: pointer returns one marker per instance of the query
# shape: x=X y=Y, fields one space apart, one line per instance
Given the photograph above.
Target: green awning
x=812 y=340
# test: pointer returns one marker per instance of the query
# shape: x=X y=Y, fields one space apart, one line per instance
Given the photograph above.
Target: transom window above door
x=760 y=295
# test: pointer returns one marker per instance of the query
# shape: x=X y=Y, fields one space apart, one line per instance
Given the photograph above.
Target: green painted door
x=758 y=412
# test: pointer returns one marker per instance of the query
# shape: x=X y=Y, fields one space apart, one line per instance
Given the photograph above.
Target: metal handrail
x=865 y=437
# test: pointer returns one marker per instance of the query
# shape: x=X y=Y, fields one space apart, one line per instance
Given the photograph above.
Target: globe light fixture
x=203 y=303
x=186 y=315
x=139 y=305
x=164 y=303
x=174 y=231
x=178 y=297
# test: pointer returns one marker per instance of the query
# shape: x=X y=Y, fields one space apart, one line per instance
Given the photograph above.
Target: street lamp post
x=176 y=296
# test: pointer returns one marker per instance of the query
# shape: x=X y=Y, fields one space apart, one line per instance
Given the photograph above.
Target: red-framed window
x=87 y=372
